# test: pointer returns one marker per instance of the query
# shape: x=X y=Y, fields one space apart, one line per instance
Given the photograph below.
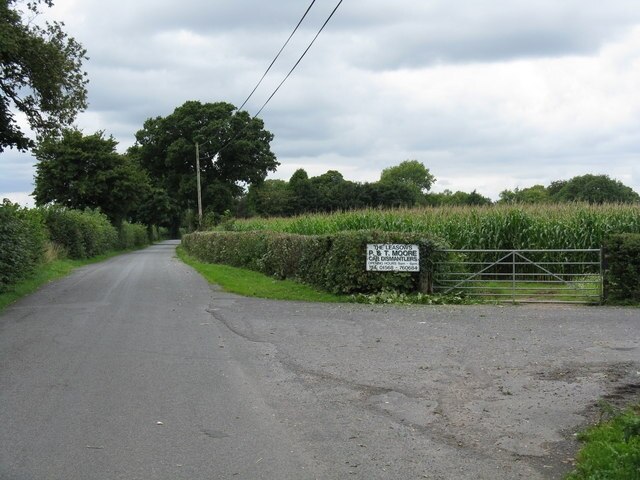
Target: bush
x=622 y=273
x=82 y=234
x=22 y=243
x=132 y=235
x=336 y=263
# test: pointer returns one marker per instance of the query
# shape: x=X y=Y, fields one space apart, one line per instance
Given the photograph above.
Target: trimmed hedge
x=82 y=234
x=622 y=273
x=22 y=243
x=336 y=263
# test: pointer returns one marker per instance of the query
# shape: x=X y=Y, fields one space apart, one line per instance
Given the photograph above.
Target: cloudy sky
x=488 y=94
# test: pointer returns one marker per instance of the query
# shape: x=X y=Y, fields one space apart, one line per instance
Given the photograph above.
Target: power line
x=277 y=55
x=300 y=59
x=285 y=78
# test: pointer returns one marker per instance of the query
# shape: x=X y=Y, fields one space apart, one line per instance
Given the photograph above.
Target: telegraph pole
x=199 y=189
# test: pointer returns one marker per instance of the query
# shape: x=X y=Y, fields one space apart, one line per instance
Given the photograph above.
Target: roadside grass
x=611 y=449
x=254 y=284
x=47 y=273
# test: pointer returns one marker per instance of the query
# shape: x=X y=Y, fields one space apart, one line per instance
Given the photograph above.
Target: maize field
x=562 y=226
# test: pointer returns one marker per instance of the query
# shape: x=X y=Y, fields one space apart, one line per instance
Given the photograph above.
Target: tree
x=535 y=194
x=166 y=149
x=79 y=171
x=40 y=74
x=593 y=189
x=271 y=198
x=409 y=172
x=450 y=198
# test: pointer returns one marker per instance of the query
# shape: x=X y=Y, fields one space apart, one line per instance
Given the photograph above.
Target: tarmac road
x=136 y=368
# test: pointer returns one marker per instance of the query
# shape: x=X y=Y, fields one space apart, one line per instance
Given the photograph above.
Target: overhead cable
x=278 y=55
x=285 y=78
x=299 y=60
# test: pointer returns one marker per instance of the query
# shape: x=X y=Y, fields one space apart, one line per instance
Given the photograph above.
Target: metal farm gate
x=542 y=276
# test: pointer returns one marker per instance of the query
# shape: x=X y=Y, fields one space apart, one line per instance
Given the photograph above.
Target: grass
x=255 y=284
x=611 y=449
x=47 y=273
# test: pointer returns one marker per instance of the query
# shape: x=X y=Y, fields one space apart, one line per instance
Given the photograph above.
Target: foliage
x=488 y=227
x=594 y=189
x=458 y=198
x=328 y=192
x=411 y=173
x=82 y=234
x=622 y=256
x=166 y=148
x=611 y=449
x=535 y=194
x=79 y=171
x=335 y=263
x=588 y=188
x=255 y=284
x=40 y=74
x=272 y=197
x=399 y=298
x=22 y=243
x=132 y=235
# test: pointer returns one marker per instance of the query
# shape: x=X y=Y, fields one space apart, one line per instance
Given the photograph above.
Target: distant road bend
x=135 y=368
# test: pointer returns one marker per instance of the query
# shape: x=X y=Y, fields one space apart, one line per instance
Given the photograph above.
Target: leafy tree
x=79 y=171
x=449 y=198
x=388 y=195
x=166 y=149
x=271 y=198
x=40 y=74
x=535 y=194
x=409 y=172
x=594 y=189
x=303 y=195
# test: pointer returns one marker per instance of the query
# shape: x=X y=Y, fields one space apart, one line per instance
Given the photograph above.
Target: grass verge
x=255 y=284
x=47 y=273
x=611 y=449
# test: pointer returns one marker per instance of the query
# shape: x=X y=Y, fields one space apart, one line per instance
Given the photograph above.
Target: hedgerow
x=22 y=242
x=132 y=235
x=82 y=234
x=336 y=263
x=622 y=277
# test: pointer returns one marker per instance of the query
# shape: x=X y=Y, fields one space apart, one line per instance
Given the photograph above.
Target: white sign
x=393 y=257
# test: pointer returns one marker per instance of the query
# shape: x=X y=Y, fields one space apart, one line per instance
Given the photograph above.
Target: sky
x=487 y=94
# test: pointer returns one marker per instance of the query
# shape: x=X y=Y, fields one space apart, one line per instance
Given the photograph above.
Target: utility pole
x=199 y=188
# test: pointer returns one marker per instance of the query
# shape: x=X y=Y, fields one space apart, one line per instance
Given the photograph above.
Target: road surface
x=136 y=368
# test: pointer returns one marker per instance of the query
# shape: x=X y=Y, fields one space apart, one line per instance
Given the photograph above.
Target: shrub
x=336 y=263
x=22 y=243
x=82 y=234
x=132 y=235
x=622 y=273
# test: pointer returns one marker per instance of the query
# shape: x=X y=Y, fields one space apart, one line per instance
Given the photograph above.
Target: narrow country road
x=136 y=368
x=119 y=372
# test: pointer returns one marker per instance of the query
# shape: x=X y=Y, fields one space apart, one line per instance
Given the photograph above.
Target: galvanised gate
x=542 y=276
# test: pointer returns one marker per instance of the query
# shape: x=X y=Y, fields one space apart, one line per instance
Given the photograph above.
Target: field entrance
x=533 y=276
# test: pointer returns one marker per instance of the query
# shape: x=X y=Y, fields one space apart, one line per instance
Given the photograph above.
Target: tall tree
x=40 y=74
x=409 y=172
x=412 y=174
x=167 y=150
x=81 y=171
